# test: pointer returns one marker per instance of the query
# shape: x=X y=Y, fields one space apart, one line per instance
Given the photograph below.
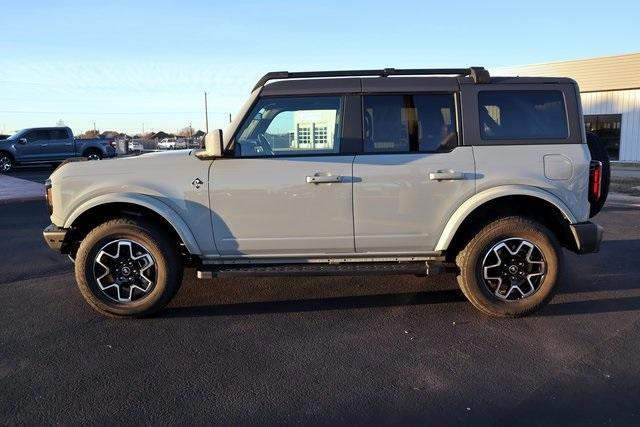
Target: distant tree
x=186 y=132
x=60 y=123
x=89 y=134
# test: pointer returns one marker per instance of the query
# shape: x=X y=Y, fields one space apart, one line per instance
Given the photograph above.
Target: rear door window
x=409 y=123
x=522 y=114
x=59 y=134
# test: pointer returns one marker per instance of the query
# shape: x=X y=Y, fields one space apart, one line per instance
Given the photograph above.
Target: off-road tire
x=470 y=259
x=92 y=154
x=161 y=248
x=6 y=162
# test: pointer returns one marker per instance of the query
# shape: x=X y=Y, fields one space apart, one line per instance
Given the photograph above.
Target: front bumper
x=54 y=236
x=587 y=236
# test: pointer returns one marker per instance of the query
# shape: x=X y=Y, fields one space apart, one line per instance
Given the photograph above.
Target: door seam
x=353 y=207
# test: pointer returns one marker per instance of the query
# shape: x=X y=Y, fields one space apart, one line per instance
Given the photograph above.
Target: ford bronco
x=347 y=173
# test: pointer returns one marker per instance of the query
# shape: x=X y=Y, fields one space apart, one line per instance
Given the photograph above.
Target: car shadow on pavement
x=317 y=304
x=592 y=306
x=612 y=277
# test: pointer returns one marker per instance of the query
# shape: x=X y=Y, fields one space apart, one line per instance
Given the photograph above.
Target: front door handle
x=323 y=179
x=445 y=175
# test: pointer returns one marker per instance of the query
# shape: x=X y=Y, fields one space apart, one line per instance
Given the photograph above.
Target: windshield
x=15 y=135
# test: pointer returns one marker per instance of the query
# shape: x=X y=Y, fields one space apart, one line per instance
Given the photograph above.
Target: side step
x=315 y=269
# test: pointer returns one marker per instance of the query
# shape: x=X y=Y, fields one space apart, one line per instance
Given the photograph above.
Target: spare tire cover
x=599 y=152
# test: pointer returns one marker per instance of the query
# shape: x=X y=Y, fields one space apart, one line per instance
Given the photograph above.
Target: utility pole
x=94 y=126
x=143 y=129
x=206 y=114
x=229 y=117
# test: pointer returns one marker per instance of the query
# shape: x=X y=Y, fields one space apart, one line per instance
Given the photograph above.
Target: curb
x=620 y=197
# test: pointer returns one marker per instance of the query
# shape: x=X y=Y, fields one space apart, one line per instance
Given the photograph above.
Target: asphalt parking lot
x=319 y=350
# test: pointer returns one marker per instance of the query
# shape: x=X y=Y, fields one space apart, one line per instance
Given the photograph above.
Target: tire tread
x=463 y=259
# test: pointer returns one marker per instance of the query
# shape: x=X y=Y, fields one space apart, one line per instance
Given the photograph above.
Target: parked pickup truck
x=55 y=144
x=348 y=173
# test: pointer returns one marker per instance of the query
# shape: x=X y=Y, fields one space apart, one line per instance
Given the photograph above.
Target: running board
x=316 y=269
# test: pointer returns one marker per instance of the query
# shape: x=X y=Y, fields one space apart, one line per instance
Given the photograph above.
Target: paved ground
x=16 y=189
x=35 y=173
x=319 y=350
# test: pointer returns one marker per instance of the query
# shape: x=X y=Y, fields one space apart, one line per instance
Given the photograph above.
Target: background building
x=610 y=89
x=314 y=129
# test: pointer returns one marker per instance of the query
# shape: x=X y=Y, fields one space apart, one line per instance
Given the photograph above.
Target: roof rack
x=478 y=74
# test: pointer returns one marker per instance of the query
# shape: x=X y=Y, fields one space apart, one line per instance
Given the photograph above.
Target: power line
x=109 y=112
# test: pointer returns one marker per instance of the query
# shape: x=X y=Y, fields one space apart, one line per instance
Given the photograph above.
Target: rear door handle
x=446 y=175
x=323 y=179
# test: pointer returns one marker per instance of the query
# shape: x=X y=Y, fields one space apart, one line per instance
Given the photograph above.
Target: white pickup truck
x=347 y=172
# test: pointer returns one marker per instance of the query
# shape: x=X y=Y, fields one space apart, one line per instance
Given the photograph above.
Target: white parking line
x=19 y=190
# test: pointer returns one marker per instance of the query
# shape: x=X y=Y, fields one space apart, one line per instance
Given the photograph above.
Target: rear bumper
x=54 y=236
x=110 y=152
x=587 y=236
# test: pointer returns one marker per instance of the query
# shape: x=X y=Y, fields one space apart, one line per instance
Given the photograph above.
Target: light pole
x=206 y=114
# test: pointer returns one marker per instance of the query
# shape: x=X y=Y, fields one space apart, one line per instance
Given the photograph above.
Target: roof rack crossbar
x=478 y=74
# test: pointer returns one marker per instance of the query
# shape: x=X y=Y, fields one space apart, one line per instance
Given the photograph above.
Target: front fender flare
x=146 y=201
x=493 y=193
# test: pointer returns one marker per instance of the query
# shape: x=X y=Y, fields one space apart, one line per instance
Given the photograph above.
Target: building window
x=319 y=135
x=607 y=127
x=303 y=138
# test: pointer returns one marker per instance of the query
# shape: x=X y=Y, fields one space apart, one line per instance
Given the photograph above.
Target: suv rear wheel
x=510 y=267
x=128 y=268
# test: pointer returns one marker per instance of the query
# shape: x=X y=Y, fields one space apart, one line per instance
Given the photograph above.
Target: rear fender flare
x=485 y=196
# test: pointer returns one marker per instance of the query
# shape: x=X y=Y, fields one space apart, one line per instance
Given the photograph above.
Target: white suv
x=347 y=172
x=172 y=144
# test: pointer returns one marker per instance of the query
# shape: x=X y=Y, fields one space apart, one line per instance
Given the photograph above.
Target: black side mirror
x=22 y=141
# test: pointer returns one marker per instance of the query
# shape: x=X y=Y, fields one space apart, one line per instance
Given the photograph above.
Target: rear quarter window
x=522 y=114
x=59 y=134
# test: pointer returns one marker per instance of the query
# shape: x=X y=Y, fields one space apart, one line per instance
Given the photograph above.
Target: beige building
x=610 y=91
x=314 y=129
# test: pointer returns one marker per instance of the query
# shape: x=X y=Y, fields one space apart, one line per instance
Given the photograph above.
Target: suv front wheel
x=128 y=268
x=6 y=162
x=510 y=267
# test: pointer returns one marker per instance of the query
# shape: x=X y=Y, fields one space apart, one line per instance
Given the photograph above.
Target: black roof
x=317 y=86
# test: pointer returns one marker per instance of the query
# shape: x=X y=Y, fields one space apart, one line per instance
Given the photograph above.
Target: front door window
x=291 y=126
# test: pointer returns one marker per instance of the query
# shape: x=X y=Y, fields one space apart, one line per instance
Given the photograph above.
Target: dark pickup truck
x=50 y=144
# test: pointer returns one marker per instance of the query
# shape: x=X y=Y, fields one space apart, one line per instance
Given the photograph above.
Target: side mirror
x=22 y=141
x=213 y=144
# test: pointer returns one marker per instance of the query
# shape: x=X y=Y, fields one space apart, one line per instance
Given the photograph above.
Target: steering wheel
x=264 y=144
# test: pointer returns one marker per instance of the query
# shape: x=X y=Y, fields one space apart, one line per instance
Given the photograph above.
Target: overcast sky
x=124 y=63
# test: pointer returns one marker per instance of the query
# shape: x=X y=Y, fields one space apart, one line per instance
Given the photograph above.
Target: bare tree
x=186 y=132
x=89 y=134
